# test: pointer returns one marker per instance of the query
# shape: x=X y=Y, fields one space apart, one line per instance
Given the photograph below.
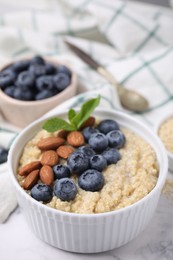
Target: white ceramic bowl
x=159 y=122
x=89 y=233
x=21 y=113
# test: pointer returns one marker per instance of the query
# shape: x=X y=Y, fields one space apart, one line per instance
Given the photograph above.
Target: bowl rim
x=158 y=186
x=25 y=103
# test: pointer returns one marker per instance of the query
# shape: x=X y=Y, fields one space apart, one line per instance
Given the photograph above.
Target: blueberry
x=43 y=94
x=61 y=81
x=61 y=171
x=88 y=131
x=108 y=125
x=7 y=78
x=78 y=162
x=50 y=69
x=3 y=155
x=20 y=66
x=37 y=60
x=65 y=189
x=9 y=91
x=37 y=70
x=98 y=142
x=91 y=180
x=44 y=82
x=116 y=139
x=87 y=150
x=98 y=162
x=41 y=192
x=25 y=80
x=64 y=69
x=111 y=155
x=23 y=95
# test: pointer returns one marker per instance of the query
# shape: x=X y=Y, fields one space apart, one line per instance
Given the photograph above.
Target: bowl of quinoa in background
x=102 y=220
x=164 y=129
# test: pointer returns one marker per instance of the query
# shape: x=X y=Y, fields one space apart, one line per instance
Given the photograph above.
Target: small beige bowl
x=21 y=113
x=158 y=124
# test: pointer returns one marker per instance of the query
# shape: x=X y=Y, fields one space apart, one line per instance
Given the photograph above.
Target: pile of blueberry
x=87 y=163
x=34 y=79
x=3 y=154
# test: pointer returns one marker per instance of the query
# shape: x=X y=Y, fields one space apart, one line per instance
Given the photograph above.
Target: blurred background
x=13 y=3
x=156 y=2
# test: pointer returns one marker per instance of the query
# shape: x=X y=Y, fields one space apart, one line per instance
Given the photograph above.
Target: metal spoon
x=129 y=99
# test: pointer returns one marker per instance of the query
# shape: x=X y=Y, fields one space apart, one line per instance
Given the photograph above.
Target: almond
x=49 y=158
x=89 y=122
x=63 y=134
x=46 y=175
x=64 y=151
x=31 y=180
x=25 y=170
x=50 y=143
x=75 y=139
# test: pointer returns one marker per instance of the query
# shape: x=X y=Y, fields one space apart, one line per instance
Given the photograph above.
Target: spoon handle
x=96 y=66
x=129 y=99
x=110 y=78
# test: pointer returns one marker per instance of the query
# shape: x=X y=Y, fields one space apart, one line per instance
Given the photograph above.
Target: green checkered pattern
x=138 y=48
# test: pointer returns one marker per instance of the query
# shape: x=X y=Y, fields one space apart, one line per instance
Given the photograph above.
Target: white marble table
x=155 y=243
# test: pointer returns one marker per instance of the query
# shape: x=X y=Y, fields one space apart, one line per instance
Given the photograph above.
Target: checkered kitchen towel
x=139 y=51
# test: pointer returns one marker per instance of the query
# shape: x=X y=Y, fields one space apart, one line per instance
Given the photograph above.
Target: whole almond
x=89 y=122
x=49 y=158
x=75 y=139
x=63 y=134
x=25 y=170
x=50 y=143
x=64 y=151
x=46 y=175
x=31 y=180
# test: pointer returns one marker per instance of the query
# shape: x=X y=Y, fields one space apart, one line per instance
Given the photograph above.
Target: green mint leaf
x=76 y=119
x=86 y=110
x=56 y=123
x=71 y=114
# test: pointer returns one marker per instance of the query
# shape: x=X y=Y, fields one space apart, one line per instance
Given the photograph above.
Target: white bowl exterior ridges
x=90 y=233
